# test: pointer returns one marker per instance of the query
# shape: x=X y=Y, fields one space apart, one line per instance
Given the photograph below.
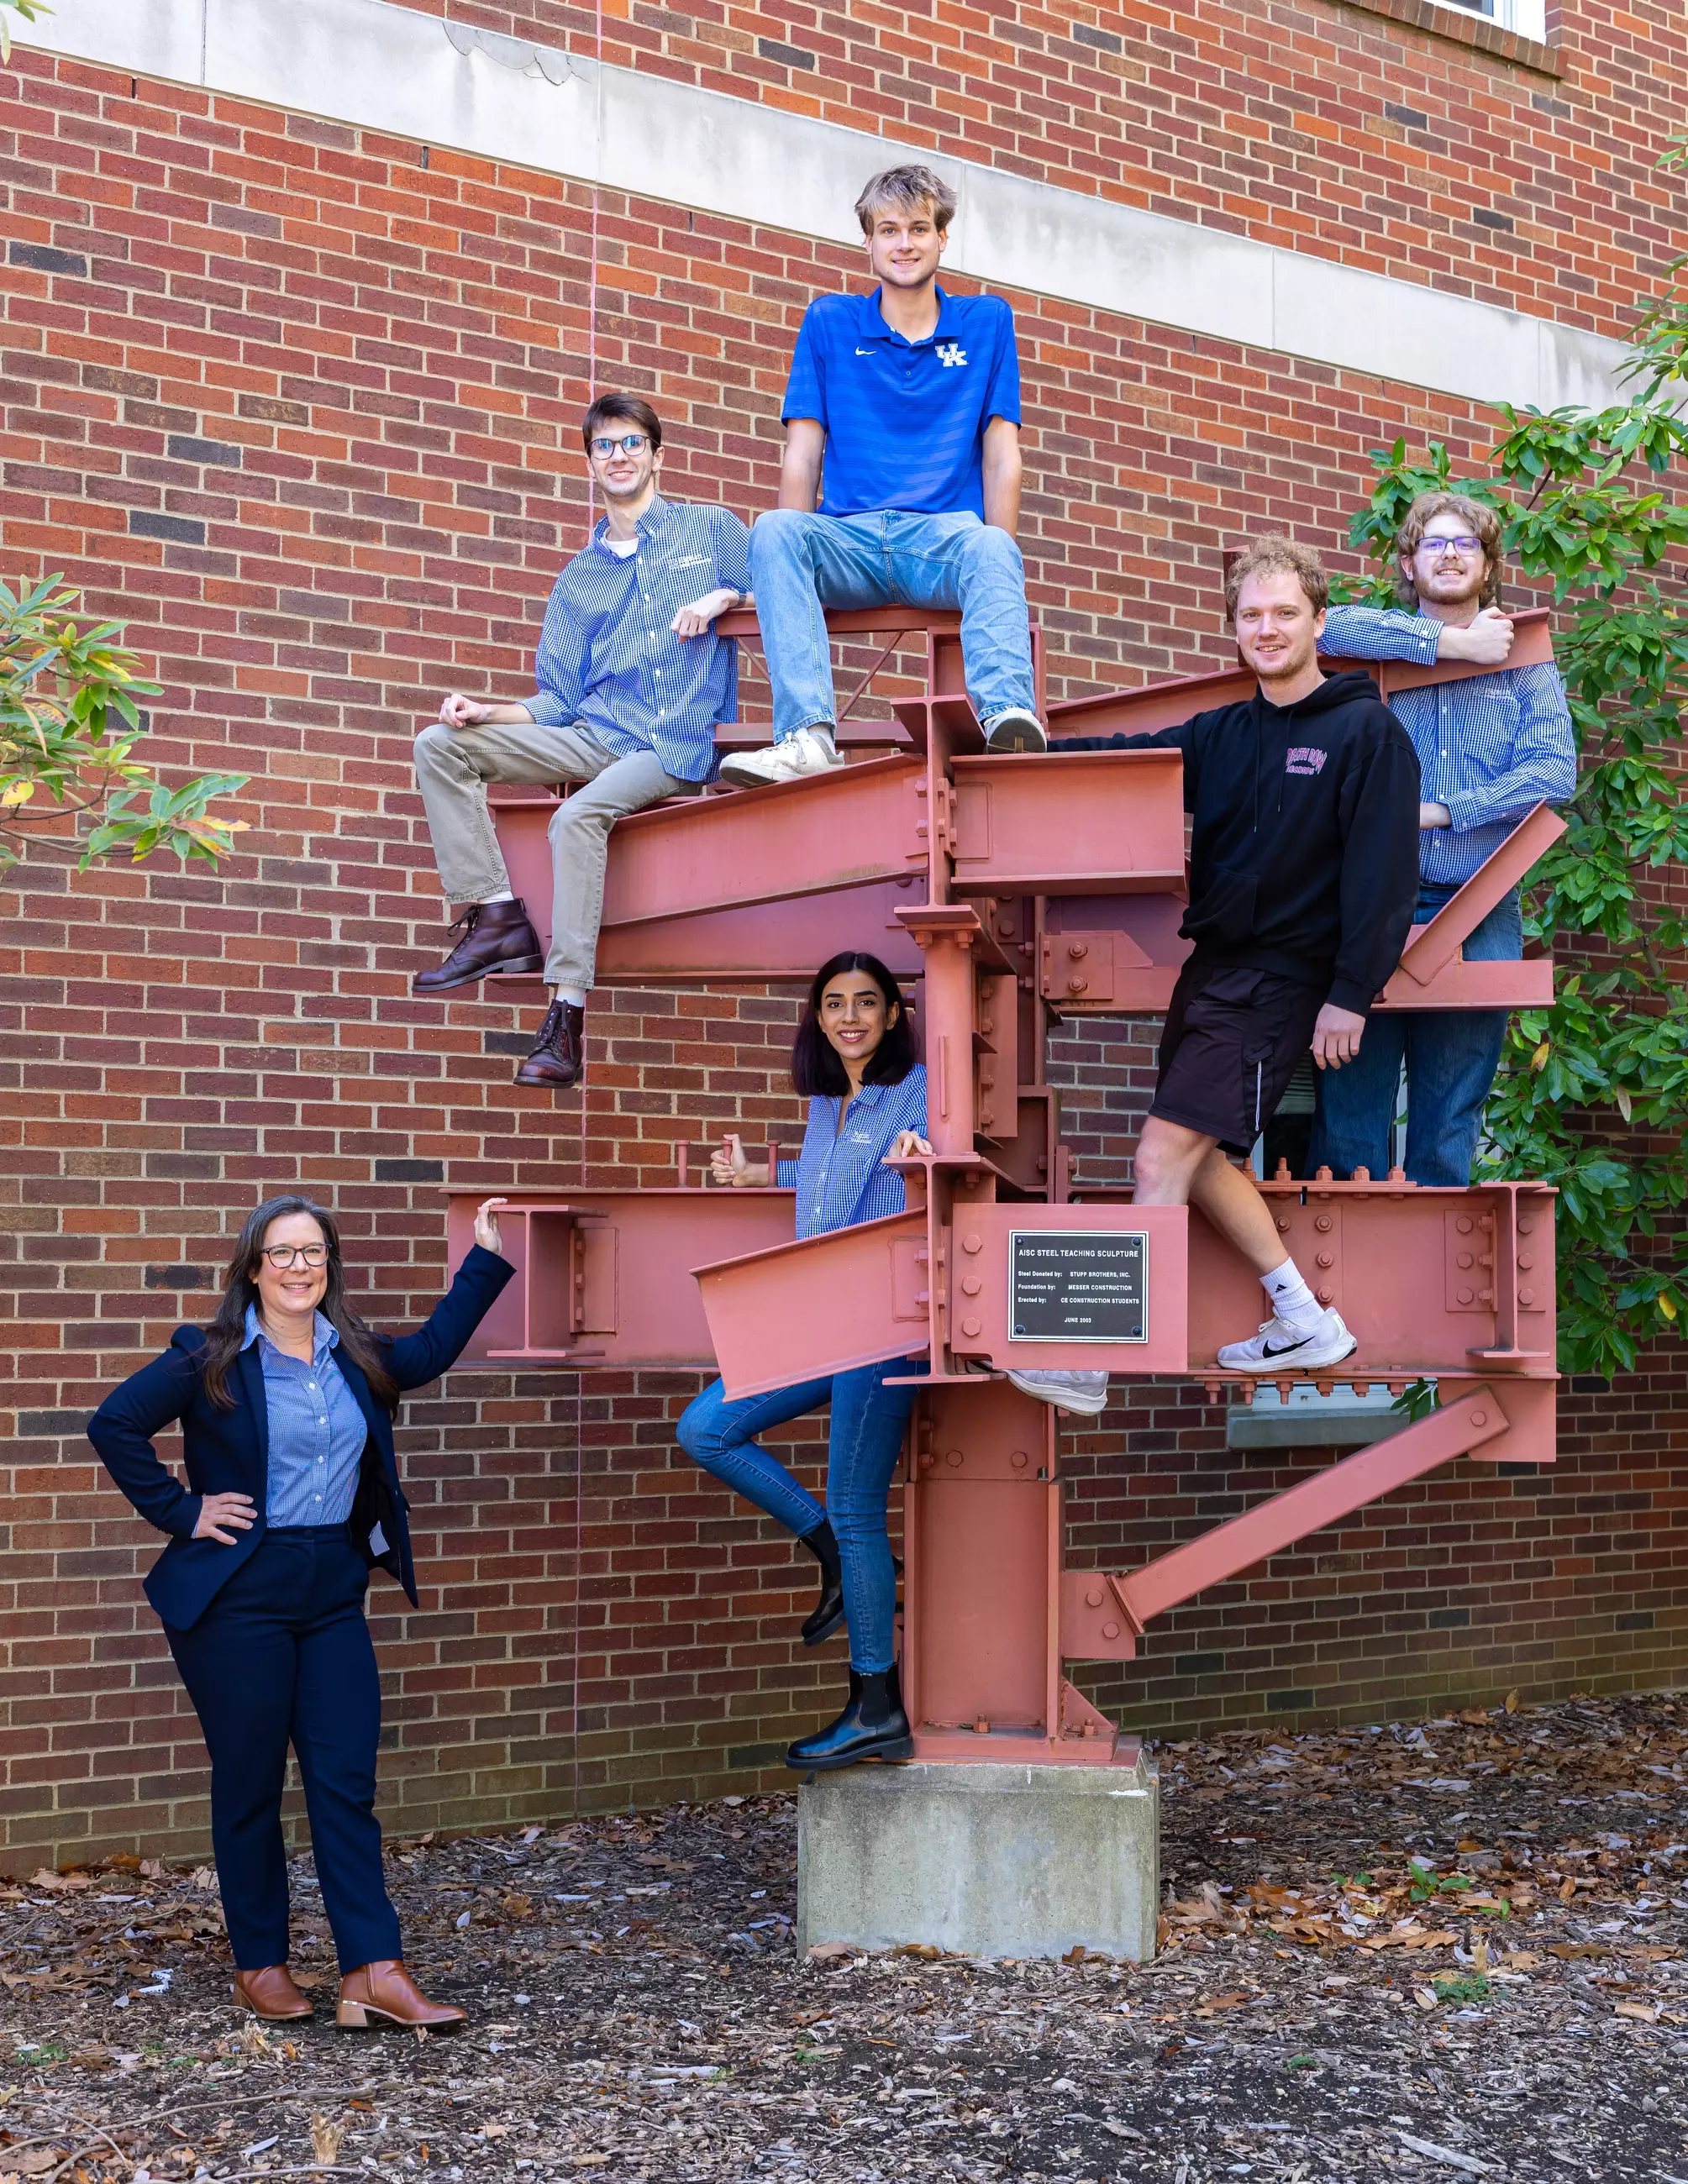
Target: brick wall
x=1396 y=134
x=300 y=409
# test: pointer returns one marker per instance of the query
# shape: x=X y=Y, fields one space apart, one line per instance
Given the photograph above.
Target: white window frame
x=1528 y=18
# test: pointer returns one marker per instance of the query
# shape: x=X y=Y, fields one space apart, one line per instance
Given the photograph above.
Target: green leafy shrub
x=70 y=784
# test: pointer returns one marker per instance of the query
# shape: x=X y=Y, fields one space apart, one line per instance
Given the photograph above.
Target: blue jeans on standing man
x=801 y=563
x=1451 y=1056
x=869 y=1421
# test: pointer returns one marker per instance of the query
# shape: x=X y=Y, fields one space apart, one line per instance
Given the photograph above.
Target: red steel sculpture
x=1009 y=889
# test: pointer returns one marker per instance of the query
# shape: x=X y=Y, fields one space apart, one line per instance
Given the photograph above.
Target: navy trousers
x=282 y=1655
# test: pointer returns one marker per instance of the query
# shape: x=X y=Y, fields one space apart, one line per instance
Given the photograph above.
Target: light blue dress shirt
x=317 y=1430
x=1489 y=746
x=608 y=654
x=842 y=1180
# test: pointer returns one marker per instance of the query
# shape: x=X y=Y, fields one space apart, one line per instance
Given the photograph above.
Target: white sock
x=488 y=900
x=823 y=730
x=575 y=995
x=1292 y=1300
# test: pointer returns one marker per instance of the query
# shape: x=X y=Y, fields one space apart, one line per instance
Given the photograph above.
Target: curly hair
x=1272 y=555
x=1485 y=525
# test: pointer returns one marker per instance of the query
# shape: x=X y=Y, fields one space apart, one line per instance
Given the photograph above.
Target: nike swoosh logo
x=864 y=352
x=1286 y=1349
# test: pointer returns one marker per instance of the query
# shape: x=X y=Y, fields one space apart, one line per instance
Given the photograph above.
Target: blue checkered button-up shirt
x=843 y=1180
x=1489 y=746
x=317 y=1430
x=608 y=654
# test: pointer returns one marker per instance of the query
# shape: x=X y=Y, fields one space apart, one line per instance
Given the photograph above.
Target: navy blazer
x=228 y=1451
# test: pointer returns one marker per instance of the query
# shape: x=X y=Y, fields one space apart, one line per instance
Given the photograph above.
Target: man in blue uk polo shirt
x=902 y=421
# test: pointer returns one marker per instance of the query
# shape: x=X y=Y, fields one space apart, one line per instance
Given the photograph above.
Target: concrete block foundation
x=987 y=1859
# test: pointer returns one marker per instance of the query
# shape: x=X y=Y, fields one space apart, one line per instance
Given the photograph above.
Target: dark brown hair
x=815 y=1066
x=227 y=1331
x=1485 y=525
x=1276 y=556
x=621 y=409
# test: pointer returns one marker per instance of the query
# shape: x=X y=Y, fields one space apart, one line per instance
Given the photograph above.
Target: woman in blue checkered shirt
x=855 y=1059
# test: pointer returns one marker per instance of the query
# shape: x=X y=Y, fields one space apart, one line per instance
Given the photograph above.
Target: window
x=1528 y=18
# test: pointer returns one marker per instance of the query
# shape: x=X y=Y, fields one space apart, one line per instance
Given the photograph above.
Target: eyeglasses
x=629 y=443
x=1463 y=540
x=283 y=1255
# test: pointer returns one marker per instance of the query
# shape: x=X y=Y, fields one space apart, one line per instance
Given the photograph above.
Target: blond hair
x=907 y=189
x=1273 y=555
x=1484 y=523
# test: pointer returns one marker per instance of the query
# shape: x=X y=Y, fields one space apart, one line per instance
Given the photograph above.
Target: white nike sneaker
x=1086 y=1392
x=810 y=750
x=1277 y=1348
x=1017 y=729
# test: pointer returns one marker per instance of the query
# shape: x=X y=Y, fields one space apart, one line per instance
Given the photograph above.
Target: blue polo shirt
x=905 y=421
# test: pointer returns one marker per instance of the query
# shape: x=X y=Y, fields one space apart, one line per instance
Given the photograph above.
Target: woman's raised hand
x=216 y=1510
x=486 y=1225
x=910 y=1145
x=726 y=1163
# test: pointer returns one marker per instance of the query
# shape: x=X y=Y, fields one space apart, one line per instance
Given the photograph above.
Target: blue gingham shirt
x=608 y=656
x=842 y=1181
x=317 y=1430
x=1489 y=746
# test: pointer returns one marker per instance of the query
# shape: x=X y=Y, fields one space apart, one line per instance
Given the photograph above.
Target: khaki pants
x=453 y=768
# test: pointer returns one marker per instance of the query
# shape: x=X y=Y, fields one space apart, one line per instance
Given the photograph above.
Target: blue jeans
x=1451 y=1056
x=282 y=1655
x=800 y=564
x=869 y=1420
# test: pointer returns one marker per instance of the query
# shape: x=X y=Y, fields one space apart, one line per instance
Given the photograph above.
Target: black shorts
x=1232 y=1042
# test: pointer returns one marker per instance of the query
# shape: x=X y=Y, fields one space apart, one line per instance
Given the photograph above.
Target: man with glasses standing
x=1489 y=747
x=632 y=679
x=900 y=484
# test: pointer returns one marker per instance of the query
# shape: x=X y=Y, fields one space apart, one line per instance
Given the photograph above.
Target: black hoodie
x=1304 y=857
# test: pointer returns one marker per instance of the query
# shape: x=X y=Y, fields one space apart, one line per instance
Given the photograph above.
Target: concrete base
x=989 y=1860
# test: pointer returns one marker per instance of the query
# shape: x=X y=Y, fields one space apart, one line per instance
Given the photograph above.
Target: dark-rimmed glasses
x=283 y=1255
x=629 y=444
x=1462 y=539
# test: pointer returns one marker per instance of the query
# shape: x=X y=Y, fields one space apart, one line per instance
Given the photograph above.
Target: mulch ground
x=1457 y=1949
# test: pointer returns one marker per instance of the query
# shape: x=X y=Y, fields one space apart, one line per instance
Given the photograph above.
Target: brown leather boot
x=496 y=937
x=384 y=1993
x=559 y=1056
x=270 y=1993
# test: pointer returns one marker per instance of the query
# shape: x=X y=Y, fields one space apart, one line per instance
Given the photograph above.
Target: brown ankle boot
x=384 y=1993
x=559 y=1056
x=497 y=937
x=270 y=1993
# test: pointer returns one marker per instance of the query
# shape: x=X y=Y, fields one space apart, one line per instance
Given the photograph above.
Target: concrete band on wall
x=392 y=69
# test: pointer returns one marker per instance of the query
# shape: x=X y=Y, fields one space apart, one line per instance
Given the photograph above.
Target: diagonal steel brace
x=1475 y=1419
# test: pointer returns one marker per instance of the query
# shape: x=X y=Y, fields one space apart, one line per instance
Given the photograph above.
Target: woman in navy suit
x=286 y=1404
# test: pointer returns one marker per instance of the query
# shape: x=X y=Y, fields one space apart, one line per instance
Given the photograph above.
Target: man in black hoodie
x=1304 y=871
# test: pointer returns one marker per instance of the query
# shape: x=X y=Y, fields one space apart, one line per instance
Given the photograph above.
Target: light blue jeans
x=800 y=564
x=1451 y=1056
x=869 y=1421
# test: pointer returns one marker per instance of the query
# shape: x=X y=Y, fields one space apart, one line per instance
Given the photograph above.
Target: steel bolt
x=1465 y=1296
x=971 y=1285
x=1479 y=1417
x=1093 y=1599
x=1110 y=1630
x=971 y=1243
x=971 y=1326
x=1526 y=1296
x=1326 y=1297
x=1466 y=1259
x=1078 y=949
x=1283 y=1222
x=1323 y=1224
x=951 y=1457
x=1463 y=1224
x=1020 y=1459
x=1525 y=1261
x=1327 y=1259
x=1078 y=985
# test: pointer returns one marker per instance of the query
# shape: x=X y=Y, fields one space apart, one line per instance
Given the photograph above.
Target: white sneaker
x=1277 y=1348
x=810 y=750
x=1017 y=729
x=1068 y=1392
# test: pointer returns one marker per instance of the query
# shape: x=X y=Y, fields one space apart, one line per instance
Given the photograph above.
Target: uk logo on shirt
x=951 y=352
x=1303 y=758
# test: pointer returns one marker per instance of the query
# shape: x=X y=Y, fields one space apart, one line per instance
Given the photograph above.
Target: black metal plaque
x=1071 y=1285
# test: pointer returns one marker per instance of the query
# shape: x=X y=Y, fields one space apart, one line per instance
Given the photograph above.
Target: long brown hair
x=227 y=1331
